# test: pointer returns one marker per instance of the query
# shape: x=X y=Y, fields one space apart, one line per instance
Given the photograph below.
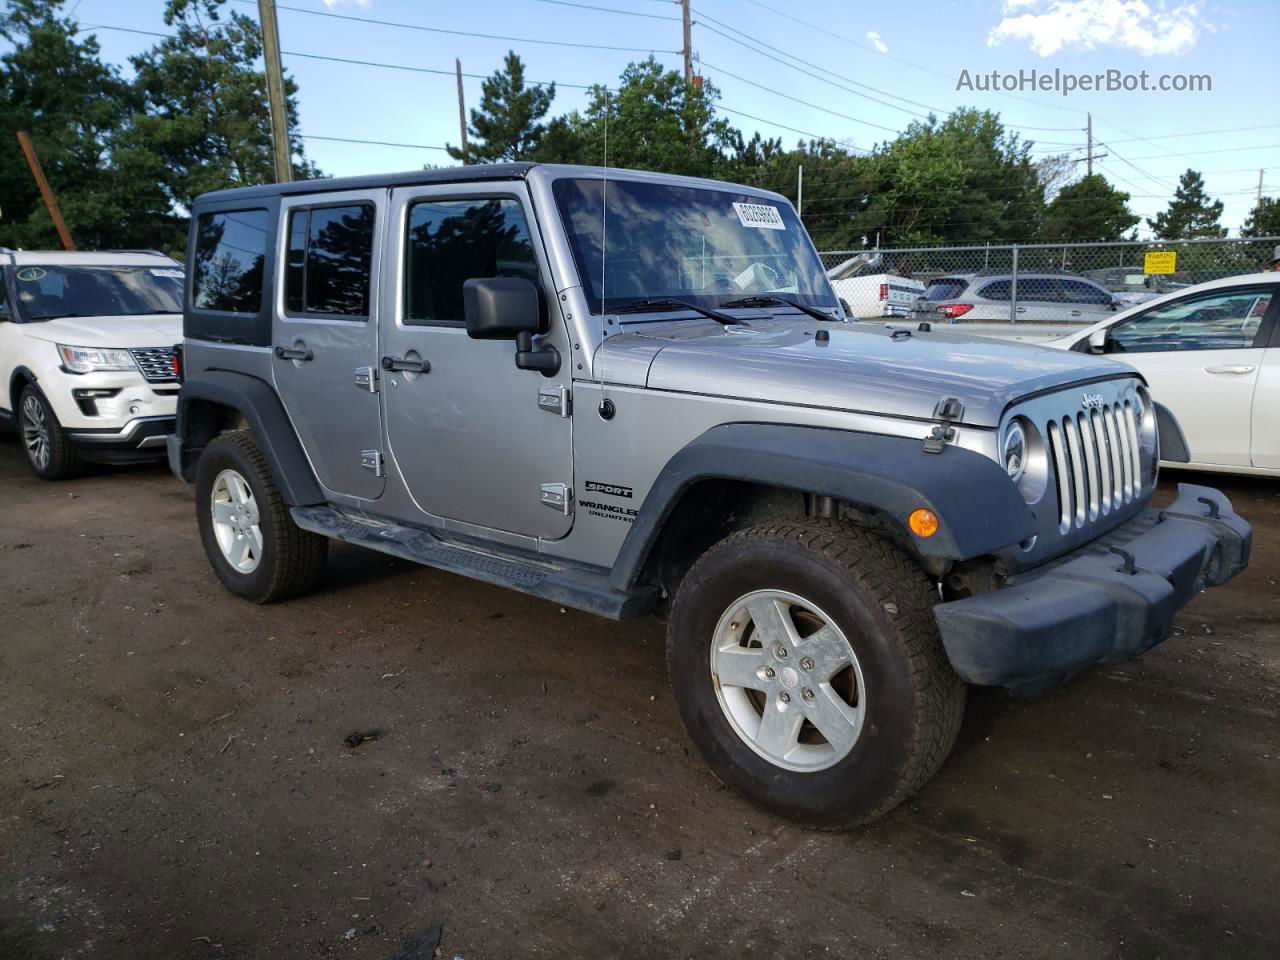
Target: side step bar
x=580 y=587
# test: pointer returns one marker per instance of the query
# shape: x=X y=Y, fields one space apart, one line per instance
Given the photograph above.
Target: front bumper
x=140 y=440
x=1108 y=601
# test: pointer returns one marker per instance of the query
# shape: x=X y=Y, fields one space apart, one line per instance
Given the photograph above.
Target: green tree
x=204 y=123
x=1191 y=214
x=54 y=85
x=653 y=121
x=961 y=180
x=1263 y=219
x=1089 y=209
x=508 y=125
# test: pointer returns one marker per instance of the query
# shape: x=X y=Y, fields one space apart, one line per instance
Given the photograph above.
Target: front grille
x=1096 y=462
x=156 y=363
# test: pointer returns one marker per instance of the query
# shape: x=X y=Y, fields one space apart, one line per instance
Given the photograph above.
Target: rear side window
x=330 y=256
x=946 y=288
x=452 y=241
x=996 y=290
x=1042 y=289
x=230 y=251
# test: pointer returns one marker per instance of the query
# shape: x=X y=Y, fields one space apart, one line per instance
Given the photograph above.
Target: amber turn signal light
x=923 y=523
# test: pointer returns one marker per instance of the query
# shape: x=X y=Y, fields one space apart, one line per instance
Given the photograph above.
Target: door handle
x=1021 y=309
x=1236 y=368
x=406 y=366
x=1074 y=313
x=302 y=354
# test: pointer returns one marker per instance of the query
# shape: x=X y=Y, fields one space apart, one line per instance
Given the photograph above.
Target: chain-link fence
x=1058 y=286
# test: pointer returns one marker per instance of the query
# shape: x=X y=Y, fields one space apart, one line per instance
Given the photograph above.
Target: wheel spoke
x=737 y=666
x=828 y=650
x=772 y=620
x=835 y=719
x=223 y=511
x=779 y=729
x=255 y=540
x=239 y=553
x=239 y=489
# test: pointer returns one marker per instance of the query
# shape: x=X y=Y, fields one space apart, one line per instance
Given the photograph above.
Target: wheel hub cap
x=35 y=432
x=769 y=643
x=236 y=521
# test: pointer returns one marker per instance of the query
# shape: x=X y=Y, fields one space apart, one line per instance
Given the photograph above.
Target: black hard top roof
x=488 y=171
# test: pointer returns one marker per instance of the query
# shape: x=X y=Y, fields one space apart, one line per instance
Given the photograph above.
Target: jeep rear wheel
x=809 y=672
x=253 y=545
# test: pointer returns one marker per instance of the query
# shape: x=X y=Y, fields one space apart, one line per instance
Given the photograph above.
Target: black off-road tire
x=64 y=462
x=292 y=560
x=883 y=603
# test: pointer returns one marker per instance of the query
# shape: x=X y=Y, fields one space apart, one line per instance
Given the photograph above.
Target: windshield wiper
x=762 y=301
x=667 y=303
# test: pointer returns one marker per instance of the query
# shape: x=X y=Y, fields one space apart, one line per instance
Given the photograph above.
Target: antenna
x=604 y=247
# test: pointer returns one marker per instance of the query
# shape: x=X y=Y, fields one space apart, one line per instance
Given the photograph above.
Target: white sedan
x=1211 y=354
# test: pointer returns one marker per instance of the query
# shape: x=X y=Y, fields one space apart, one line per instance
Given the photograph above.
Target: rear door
x=1265 y=450
x=1084 y=302
x=1201 y=355
x=325 y=335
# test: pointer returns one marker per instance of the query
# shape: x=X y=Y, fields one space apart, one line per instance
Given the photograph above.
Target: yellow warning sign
x=1165 y=261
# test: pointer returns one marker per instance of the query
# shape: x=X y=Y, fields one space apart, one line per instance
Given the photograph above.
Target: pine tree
x=1191 y=214
x=1089 y=209
x=1263 y=220
x=508 y=125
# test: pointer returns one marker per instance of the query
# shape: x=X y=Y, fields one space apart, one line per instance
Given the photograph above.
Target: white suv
x=86 y=355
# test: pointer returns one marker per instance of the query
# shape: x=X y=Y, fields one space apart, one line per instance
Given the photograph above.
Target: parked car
x=985 y=297
x=86 y=355
x=1130 y=286
x=1212 y=353
x=866 y=292
x=843 y=523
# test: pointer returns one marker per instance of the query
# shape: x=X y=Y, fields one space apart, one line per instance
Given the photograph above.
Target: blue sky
x=911 y=53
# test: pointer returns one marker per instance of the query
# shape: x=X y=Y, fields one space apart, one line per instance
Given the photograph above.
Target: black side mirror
x=508 y=308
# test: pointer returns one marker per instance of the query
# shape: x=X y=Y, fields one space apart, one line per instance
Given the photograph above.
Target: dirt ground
x=174 y=781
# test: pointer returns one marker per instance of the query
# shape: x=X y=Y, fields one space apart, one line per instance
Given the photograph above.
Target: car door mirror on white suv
x=1098 y=340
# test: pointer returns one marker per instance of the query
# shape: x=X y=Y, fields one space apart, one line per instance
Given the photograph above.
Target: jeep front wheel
x=809 y=672
x=254 y=546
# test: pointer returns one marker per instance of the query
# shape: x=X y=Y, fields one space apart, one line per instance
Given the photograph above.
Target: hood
x=862 y=367
x=148 y=330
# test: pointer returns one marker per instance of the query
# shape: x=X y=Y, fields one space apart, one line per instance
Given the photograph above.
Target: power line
x=625 y=13
x=462 y=33
x=373 y=143
x=1194 y=133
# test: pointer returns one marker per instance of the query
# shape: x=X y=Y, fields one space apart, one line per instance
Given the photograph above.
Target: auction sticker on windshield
x=759 y=215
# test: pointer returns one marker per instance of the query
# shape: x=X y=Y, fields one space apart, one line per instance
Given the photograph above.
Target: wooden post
x=687 y=24
x=45 y=191
x=282 y=153
x=462 y=109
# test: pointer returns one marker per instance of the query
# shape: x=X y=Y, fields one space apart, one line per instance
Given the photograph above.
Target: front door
x=1201 y=355
x=475 y=439
x=325 y=335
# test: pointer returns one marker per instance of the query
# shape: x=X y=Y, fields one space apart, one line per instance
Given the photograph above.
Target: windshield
x=705 y=247
x=46 y=292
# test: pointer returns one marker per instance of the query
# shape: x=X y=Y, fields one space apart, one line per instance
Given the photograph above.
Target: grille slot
x=1096 y=462
x=156 y=363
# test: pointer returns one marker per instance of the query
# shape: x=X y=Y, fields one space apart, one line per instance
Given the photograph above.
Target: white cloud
x=880 y=45
x=1150 y=29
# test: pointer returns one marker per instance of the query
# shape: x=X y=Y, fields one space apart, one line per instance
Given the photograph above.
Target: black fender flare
x=20 y=375
x=979 y=510
x=257 y=401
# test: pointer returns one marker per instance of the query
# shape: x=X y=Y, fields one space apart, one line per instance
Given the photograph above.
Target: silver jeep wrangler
x=631 y=394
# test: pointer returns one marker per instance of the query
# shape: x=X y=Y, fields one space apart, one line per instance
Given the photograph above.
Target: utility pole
x=800 y=190
x=462 y=110
x=1089 y=155
x=688 y=41
x=1259 y=200
x=282 y=154
x=46 y=191
x=1088 y=150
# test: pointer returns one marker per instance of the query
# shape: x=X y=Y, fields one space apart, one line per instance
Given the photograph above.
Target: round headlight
x=1015 y=452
